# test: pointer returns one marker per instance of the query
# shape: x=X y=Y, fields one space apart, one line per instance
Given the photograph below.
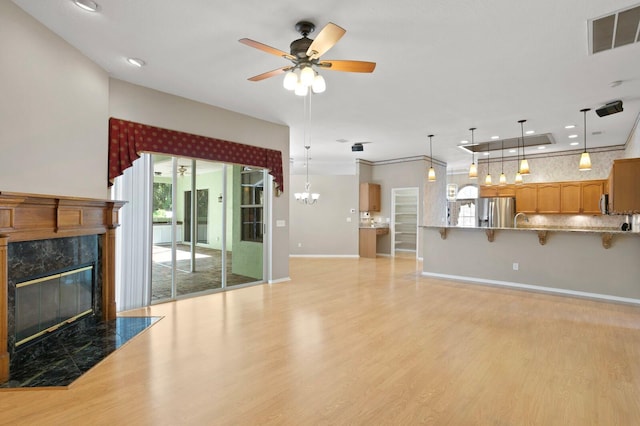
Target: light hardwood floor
x=364 y=341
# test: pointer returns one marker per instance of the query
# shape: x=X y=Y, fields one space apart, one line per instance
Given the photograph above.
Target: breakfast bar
x=595 y=263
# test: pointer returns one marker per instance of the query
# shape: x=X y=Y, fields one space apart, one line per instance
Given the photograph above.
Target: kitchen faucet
x=515 y=219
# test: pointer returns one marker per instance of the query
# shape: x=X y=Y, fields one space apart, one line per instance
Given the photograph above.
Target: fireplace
x=56 y=266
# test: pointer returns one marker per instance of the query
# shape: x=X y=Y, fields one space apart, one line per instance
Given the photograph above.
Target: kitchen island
x=595 y=263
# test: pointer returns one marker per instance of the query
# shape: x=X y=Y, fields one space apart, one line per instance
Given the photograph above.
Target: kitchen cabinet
x=369 y=197
x=548 y=198
x=571 y=197
x=368 y=240
x=624 y=186
x=487 y=191
x=526 y=198
x=591 y=192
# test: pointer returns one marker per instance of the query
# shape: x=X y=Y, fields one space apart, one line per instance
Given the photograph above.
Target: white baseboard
x=530 y=287
x=279 y=280
x=344 y=256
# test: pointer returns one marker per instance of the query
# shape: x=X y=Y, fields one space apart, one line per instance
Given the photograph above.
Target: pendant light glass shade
x=585 y=159
x=290 y=80
x=473 y=170
x=585 y=162
x=503 y=178
x=524 y=164
x=487 y=179
x=431 y=176
x=518 y=177
x=307 y=74
x=319 y=85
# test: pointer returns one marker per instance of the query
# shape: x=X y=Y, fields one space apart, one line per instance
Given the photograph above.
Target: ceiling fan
x=305 y=54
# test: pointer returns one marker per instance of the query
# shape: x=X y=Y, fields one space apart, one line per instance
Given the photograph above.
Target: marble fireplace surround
x=31 y=217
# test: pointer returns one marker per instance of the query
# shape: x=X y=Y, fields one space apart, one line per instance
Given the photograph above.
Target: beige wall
x=633 y=146
x=323 y=229
x=569 y=261
x=53 y=111
x=136 y=103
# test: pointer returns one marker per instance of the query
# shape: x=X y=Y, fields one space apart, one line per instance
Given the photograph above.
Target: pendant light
x=473 y=170
x=524 y=164
x=432 y=173
x=518 y=179
x=585 y=160
x=503 y=178
x=487 y=179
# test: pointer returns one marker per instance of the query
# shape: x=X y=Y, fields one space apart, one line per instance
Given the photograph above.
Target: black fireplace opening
x=46 y=303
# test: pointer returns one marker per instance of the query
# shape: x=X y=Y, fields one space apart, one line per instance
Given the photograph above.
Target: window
x=252 y=193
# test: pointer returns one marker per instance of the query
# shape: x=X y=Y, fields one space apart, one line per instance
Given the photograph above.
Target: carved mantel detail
x=28 y=217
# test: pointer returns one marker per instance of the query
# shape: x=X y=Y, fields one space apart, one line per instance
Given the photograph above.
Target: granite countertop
x=373 y=225
x=541 y=228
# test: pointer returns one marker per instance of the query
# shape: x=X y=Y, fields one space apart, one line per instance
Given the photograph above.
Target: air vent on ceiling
x=615 y=30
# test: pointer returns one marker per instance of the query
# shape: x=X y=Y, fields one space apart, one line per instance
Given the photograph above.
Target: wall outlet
x=299 y=244
x=348 y=219
x=516 y=266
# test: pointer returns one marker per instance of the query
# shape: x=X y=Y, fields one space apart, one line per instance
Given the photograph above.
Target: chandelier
x=307 y=197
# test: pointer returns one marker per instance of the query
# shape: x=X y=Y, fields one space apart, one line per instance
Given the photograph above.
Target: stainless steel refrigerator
x=496 y=212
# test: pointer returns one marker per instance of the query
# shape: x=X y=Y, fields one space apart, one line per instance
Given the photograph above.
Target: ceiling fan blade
x=325 y=40
x=269 y=74
x=348 y=66
x=265 y=48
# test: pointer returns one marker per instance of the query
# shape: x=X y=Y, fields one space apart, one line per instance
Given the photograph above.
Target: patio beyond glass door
x=219 y=256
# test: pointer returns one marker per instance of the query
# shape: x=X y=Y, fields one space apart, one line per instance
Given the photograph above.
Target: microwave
x=604 y=204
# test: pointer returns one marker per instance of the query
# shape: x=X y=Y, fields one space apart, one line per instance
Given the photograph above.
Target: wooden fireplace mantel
x=27 y=217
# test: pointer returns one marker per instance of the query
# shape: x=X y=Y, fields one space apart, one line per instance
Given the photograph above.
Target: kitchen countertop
x=373 y=225
x=540 y=228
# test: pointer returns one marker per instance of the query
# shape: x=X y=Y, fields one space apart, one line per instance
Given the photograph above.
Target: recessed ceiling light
x=530 y=132
x=570 y=126
x=574 y=143
x=512 y=150
x=88 y=5
x=136 y=62
x=542 y=147
x=573 y=136
x=495 y=137
x=464 y=141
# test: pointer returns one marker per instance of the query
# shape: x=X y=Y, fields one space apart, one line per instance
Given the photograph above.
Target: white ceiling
x=442 y=67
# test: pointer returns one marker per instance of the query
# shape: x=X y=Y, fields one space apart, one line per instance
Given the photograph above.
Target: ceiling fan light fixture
x=290 y=80
x=307 y=75
x=319 y=85
x=301 y=89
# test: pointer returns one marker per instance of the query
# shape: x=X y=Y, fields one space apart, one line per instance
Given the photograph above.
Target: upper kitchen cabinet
x=527 y=198
x=582 y=197
x=369 y=197
x=591 y=193
x=624 y=186
x=548 y=198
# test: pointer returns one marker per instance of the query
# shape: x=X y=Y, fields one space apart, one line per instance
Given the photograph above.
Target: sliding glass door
x=198 y=242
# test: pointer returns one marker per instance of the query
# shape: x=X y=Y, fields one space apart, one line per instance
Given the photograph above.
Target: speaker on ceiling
x=610 y=108
x=357 y=147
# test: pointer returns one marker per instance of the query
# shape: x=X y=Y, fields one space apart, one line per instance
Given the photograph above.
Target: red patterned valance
x=128 y=139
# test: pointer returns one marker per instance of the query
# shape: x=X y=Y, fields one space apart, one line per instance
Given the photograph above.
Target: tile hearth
x=58 y=360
